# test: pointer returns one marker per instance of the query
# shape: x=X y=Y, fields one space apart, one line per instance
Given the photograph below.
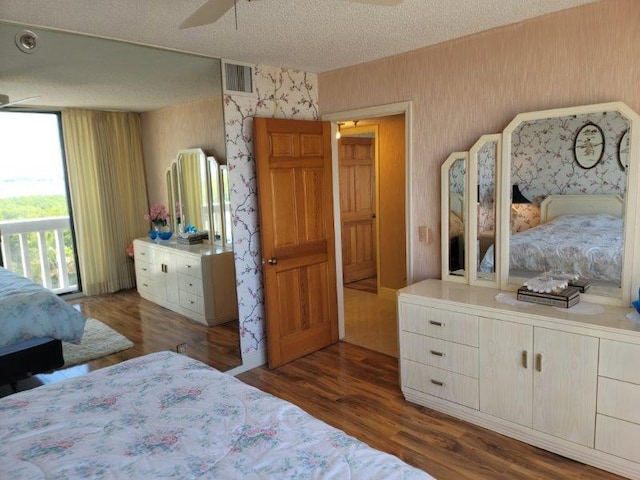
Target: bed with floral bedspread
x=28 y=310
x=33 y=323
x=587 y=245
x=165 y=415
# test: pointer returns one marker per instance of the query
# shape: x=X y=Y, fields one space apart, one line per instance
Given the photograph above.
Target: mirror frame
x=472 y=210
x=631 y=265
x=444 y=227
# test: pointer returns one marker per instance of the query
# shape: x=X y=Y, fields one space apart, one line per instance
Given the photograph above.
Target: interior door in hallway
x=356 y=157
x=293 y=160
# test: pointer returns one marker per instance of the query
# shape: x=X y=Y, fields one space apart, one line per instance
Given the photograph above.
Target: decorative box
x=564 y=298
x=581 y=284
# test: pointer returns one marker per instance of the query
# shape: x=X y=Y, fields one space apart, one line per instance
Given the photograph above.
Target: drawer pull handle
x=144 y=269
x=143 y=254
x=191 y=284
x=437 y=324
x=145 y=284
x=437 y=354
x=188 y=266
x=191 y=302
x=539 y=362
x=525 y=359
x=437 y=382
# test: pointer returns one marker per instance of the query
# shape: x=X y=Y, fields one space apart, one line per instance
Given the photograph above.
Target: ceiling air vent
x=238 y=78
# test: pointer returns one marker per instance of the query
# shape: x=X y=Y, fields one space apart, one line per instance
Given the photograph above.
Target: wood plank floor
x=352 y=388
x=356 y=390
x=151 y=328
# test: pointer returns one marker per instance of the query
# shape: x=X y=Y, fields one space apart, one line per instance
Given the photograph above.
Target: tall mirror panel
x=483 y=218
x=454 y=224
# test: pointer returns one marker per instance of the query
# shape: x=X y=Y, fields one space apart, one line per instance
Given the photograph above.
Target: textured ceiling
x=310 y=35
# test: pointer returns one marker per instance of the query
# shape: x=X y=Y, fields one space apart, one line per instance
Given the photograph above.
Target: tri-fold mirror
x=548 y=194
x=198 y=190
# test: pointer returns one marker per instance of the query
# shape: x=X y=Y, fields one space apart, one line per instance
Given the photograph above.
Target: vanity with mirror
x=196 y=280
x=198 y=193
x=555 y=193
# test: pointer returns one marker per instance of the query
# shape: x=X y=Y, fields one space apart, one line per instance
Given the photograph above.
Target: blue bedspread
x=28 y=310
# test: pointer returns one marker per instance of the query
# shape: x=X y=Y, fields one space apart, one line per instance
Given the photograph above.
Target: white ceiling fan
x=212 y=10
x=4 y=101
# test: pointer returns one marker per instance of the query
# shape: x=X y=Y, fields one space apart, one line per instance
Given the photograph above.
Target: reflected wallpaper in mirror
x=457 y=217
x=543 y=164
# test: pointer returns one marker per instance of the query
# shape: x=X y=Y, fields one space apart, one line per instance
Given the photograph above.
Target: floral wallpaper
x=487 y=157
x=543 y=162
x=280 y=93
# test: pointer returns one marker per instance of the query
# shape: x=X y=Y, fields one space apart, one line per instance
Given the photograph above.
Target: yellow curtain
x=108 y=194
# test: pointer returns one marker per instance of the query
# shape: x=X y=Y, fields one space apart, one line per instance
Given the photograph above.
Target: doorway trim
x=360 y=114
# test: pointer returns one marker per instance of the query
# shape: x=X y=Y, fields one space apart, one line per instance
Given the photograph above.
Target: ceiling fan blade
x=383 y=3
x=7 y=103
x=208 y=13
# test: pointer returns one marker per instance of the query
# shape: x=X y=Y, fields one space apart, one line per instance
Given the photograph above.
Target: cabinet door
x=565 y=382
x=505 y=370
x=170 y=278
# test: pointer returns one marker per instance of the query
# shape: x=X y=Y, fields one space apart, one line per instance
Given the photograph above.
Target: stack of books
x=564 y=298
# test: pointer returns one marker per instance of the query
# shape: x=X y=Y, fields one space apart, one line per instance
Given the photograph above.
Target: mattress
x=587 y=245
x=168 y=416
x=28 y=310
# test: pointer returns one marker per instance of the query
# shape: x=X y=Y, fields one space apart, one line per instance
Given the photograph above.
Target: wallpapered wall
x=280 y=93
x=543 y=162
x=475 y=85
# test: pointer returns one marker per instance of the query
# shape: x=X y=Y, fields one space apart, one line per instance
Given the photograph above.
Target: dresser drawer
x=619 y=399
x=143 y=269
x=189 y=284
x=192 y=302
x=442 y=354
x=441 y=383
x=142 y=251
x=146 y=285
x=618 y=437
x=444 y=324
x=189 y=266
x=619 y=360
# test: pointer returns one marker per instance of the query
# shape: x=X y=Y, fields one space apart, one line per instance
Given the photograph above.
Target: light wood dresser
x=565 y=382
x=197 y=281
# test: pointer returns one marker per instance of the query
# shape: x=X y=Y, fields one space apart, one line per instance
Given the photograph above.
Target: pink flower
x=158 y=214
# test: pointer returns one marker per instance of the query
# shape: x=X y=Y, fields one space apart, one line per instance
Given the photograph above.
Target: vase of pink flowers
x=158 y=216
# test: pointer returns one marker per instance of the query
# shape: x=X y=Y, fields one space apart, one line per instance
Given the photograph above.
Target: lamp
x=517 y=198
x=338 y=132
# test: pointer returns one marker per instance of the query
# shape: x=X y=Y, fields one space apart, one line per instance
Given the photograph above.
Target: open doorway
x=372 y=164
x=36 y=229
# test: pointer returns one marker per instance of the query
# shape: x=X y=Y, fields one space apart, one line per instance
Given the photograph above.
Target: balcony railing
x=36 y=249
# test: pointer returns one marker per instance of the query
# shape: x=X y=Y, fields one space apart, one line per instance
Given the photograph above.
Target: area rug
x=98 y=341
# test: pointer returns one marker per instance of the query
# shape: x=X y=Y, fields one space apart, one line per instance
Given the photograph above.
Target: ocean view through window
x=35 y=223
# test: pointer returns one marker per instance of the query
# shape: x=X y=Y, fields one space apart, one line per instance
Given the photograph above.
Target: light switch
x=424 y=234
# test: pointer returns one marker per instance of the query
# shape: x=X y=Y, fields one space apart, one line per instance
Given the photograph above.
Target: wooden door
x=506 y=385
x=356 y=157
x=295 y=200
x=565 y=385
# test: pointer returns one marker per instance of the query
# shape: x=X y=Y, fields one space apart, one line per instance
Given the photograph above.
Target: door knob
x=273 y=261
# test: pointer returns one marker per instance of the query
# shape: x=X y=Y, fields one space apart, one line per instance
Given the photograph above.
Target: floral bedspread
x=588 y=245
x=28 y=310
x=165 y=415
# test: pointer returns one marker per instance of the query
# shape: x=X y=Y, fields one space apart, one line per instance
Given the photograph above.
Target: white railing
x=40 y=226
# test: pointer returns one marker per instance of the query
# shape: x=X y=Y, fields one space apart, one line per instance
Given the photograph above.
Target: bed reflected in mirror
x=563 y=217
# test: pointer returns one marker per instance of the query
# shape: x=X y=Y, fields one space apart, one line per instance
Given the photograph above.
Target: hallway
x=370 y=321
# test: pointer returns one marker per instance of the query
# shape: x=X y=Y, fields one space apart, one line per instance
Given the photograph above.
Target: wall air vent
x=238 y=78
